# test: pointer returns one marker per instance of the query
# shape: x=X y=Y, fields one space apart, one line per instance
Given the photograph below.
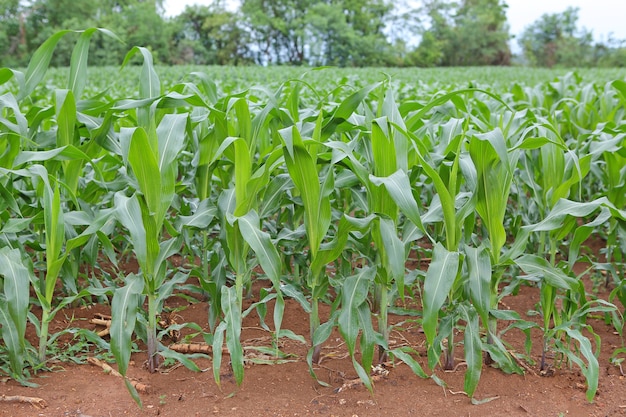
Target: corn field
x=320 y=186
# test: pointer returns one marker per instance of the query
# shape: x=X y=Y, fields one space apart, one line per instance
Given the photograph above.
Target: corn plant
x=317 y=217
x=14 y=309
x=561 y=326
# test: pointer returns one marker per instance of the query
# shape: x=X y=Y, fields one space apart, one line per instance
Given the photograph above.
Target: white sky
x=602 y=17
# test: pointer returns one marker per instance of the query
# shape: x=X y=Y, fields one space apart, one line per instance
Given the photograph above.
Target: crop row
x=321 y=191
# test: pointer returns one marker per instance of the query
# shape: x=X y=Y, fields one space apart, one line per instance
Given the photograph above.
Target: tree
x=349 y=33
x=473 y=32
x=210 y=35
x=318 y=32
x=13 y=47
x=554 y=39
x=26 y=25
x=481 y=35
x=277 y=29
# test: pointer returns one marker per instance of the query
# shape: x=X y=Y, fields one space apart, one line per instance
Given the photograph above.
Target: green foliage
x=472 y=32
x=345 y=33
x=316 y=190
x=209 y=35
x=555 y=39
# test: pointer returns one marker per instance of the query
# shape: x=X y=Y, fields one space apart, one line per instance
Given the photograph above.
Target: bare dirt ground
x=288 y=390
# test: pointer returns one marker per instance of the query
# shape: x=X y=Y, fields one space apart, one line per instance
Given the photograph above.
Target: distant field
x=409 y=80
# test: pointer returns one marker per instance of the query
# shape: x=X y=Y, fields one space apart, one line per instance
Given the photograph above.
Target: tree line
x=306 y=32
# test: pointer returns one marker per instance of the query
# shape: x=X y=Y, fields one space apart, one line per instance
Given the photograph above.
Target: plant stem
x=553 y=248
x=492 y=326
x=449 y=365
x=153 y=357
x=43 y=335
x=315 y=323
x=383 y=326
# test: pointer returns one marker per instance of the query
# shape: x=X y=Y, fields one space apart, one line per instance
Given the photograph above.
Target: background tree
x=610 y=53
x=348 y=33
x=473 y=32
x=13 y=47
x=303 y=32
x=26 y=25
x=554 y=39
x=277 y=29
x=481 y=34
x=318 y=32
x=434 y=41
x=209 y=35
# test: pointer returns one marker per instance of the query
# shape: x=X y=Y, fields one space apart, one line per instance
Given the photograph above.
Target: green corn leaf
x=243 y=162
x=78 y=62
x=364 y=376
x=66 y=121
x=65 y=153
x=125 y=304
x=273 y=195
x=15 y=303
x=262 y=246
x=171 y=141
x=184 y=359
x=294 y=293
x=149 y=84
x=39 y=63
x=473 y=349
x=346 y=109
x=66 y=117
x=279 y=312
x=353 y=293
x=201 y=218
x=583 y=232
x=232 y=318
x=591 y=370
x=13 y=341
x=489 y=154
x=383 y=148
x=563 y=208
x=439 y=279
x=218 y=343
x=20 y=124
x=267 y=256
x=15 y=225
x=400 y=190
x=291 y=335
x=392 y=112
x=128 y=213
x=394 y=252
x=499 y=353
x=415 y=118
x=479 y=271
x=6 y=74
x=369 y=337
x=303 y=172
x=447 y=204
x=171 y=134
x=55 y=236
x=95 y=225
x=149 y=87
x=144 y=163
x=323 y=331
x=533 y=264
x=579 y=171
x=404 y=354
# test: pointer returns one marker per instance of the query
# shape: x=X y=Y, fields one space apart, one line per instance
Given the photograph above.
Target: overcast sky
x=602 y=17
